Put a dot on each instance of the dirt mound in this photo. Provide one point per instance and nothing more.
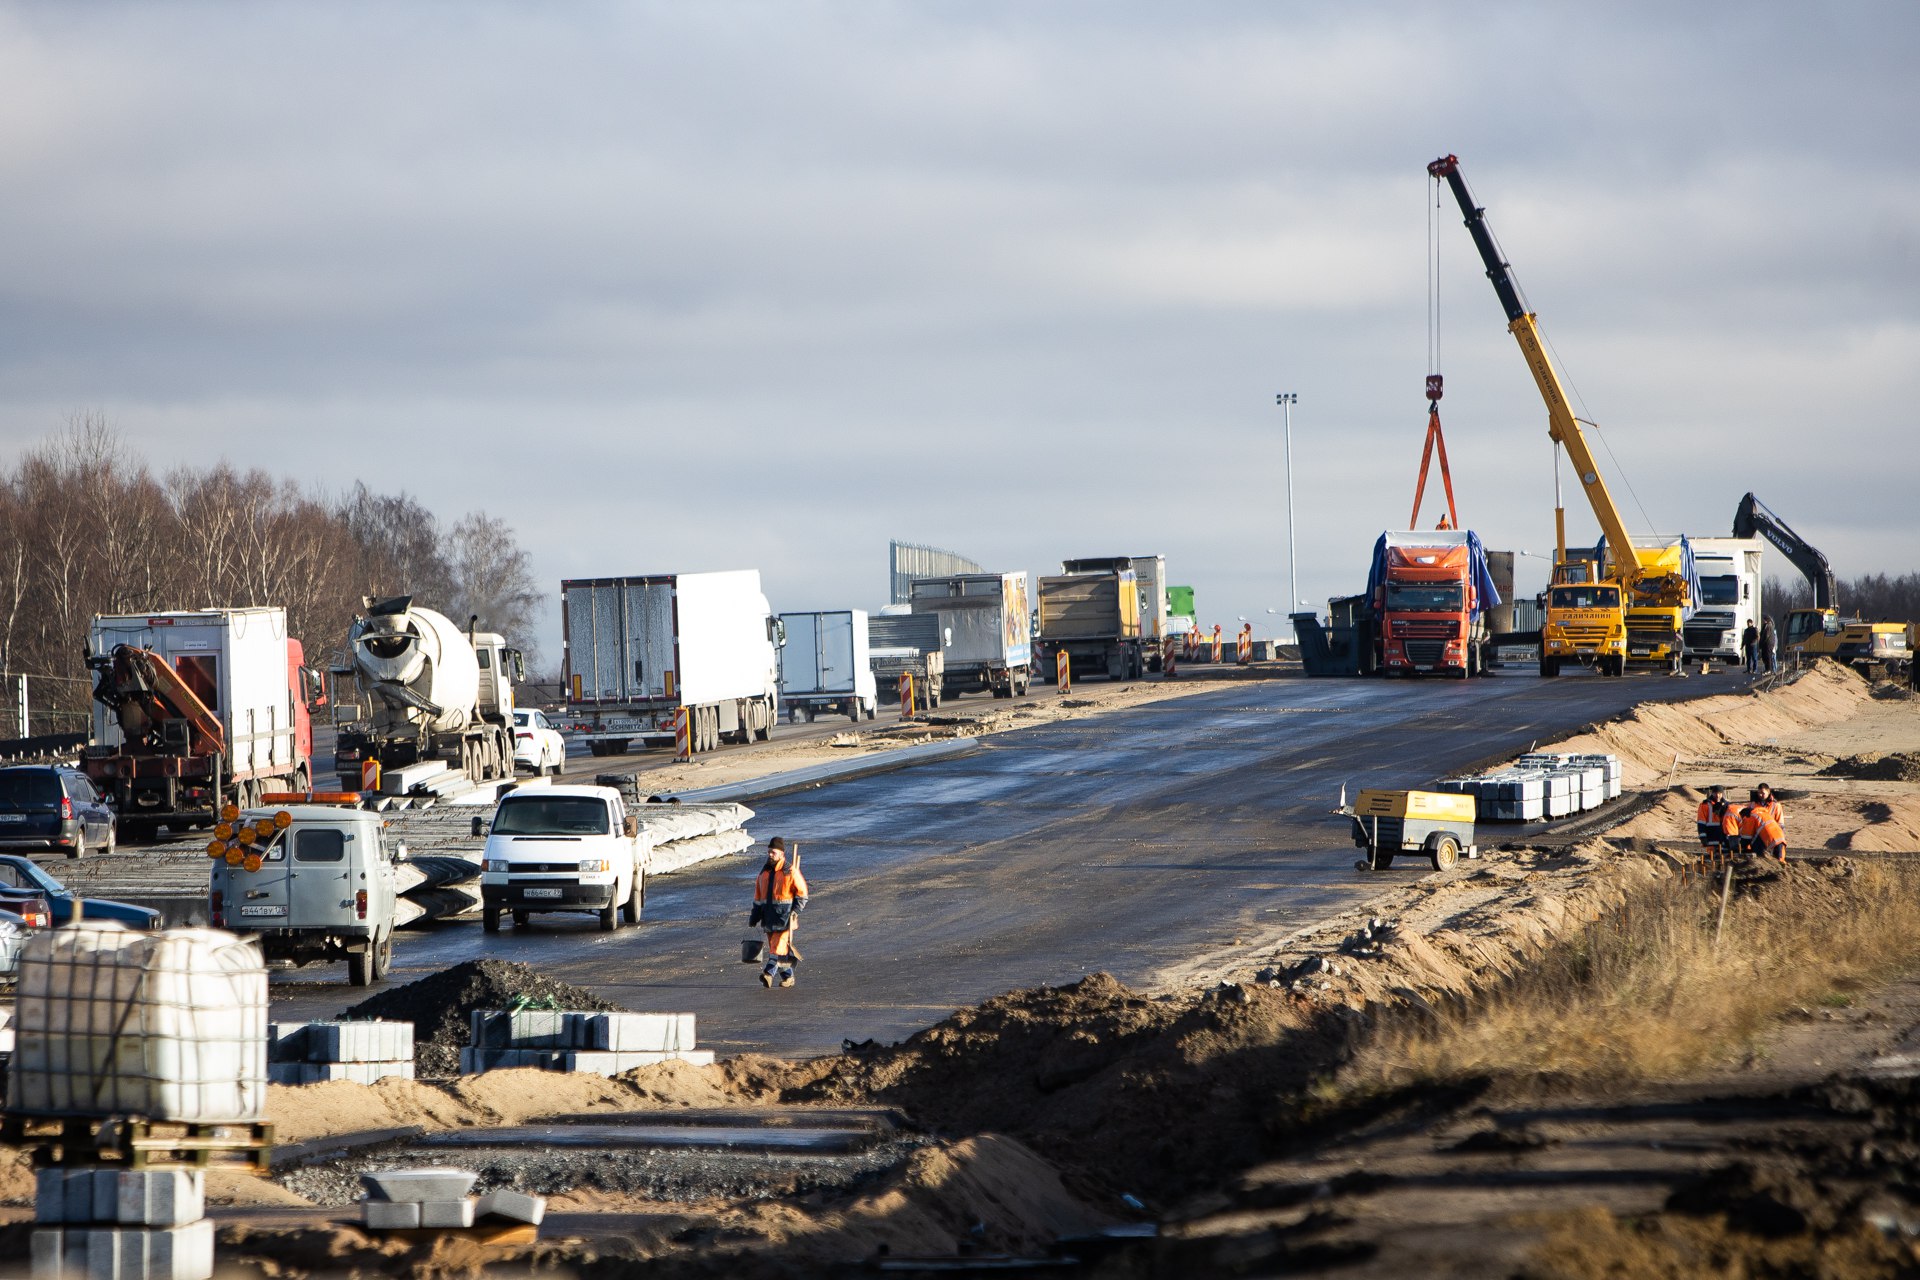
(1875, 766)
(1892, 826)
(438, 1005)
(300, 1112)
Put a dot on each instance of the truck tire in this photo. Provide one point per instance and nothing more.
(853, 710)
(636, 900)
(360, 966)
(609, 918)
(1549, 667)
(490, 919)
(1444, 850)
(383, 957)
(522, 920)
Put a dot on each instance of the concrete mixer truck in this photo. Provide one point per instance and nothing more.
(429, 693)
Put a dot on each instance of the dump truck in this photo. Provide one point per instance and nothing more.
(1094, 618)
(430, 693)
(905, 644)
(639, 650)
(826, 665)
(985, 620)
(196, 709)
(1150, 587)
(1430, 591)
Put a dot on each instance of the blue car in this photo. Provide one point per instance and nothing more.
(22, 878)
(45, 806)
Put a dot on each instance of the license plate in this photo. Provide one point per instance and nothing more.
(539, 893)
(1586, 648)
(13, 817)
(263, 911)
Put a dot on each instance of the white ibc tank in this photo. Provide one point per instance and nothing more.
(166, 1026)
(417, 662)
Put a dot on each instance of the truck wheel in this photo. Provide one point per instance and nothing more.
(490, 919)
(872, 709)
(383, 957)
(360, 967)
(609, 918)
(1549, 667)
(766, 721)
(853, 710)
(1444, 850)
(637, 900)
(522, 920)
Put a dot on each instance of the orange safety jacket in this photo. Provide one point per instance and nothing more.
(1729, 825)
(1750, 820)
(1771, 809)
(1772, 835)
(1710, 819)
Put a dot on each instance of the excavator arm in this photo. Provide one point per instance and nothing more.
(1752, 517)
(1562, 426)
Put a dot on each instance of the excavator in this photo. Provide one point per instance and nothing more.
(1820, 632)
(1621, 602)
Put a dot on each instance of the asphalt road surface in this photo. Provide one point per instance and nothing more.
(1126, 842)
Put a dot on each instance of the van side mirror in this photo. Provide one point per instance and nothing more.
(479, 827)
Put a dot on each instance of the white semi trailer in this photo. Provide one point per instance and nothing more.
(640, 649)
(429, 691)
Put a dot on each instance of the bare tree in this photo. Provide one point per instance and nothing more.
(493, 579)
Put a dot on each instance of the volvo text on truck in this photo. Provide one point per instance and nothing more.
(826, 665)
(1430, 591)
(988, 629)
(639, 649)
(429, 691)
(196, 709)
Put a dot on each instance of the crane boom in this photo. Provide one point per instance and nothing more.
(1562, 426)
(1752, 517)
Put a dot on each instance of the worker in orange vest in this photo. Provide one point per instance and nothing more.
(779, 892)
(1752, 815)
(1771, 841)
(1770, 803)
(1709, 821)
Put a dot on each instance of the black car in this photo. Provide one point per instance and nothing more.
(47, 807)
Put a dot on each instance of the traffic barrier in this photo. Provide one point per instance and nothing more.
(1246, 645)
(1216, 642)
(682, 734)
(369, 776)
(1063, 671)
(1190, 645)
(1169, 658)
(906, 695)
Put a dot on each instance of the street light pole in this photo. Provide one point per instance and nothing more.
(1286, 400)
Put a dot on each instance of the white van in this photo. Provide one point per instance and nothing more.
(562, 849)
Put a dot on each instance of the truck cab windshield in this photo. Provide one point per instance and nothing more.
(1587, 597)
(552, 816)
(1424, 597)
(1720, 590)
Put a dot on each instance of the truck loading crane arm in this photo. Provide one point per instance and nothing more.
(1561, 424)
(1752, 517)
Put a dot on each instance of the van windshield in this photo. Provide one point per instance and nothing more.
(551, 816)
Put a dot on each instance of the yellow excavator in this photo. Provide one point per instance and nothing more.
(1820, 632)
(1621, 602)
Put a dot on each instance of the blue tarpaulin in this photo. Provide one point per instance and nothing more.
(1486, 595)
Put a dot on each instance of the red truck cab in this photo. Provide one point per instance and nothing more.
(1430, 599)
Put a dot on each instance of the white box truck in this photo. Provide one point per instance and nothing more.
(639, 649)
(987, 622)
(826, 665)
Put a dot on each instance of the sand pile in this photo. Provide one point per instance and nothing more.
(438, 1006)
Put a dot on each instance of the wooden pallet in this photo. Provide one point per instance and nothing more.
(137, 1143)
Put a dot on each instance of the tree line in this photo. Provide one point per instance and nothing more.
(87, 526)
(1873, 596)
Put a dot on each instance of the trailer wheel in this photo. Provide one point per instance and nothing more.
(490, 919)
(1380, 859)
(1444, 850)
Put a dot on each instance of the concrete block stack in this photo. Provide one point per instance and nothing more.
(312, 1052)
(428, 1199)
(121, 1224)
(1542, 784)
(601, 1043)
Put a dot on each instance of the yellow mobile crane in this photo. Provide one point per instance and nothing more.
(1601, 610)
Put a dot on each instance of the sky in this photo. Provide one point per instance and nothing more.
(675, 287)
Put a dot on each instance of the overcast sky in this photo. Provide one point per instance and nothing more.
(713, 285)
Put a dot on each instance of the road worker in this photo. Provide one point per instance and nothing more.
(1770, 804)
(1771, 842)
(779, 892)
(1710, 819)
(1752, 815)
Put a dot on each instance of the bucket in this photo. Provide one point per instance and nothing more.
(751, 950)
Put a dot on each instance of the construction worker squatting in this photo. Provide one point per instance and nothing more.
(779, 893)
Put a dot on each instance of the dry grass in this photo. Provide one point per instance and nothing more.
(1645, 994)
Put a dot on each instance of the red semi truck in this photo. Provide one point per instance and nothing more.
(1430, 591)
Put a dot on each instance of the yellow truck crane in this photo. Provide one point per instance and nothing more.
(1602, 610)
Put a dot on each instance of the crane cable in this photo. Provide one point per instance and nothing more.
(1435, 437)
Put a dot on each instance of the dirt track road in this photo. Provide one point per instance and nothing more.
(1124, 843)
